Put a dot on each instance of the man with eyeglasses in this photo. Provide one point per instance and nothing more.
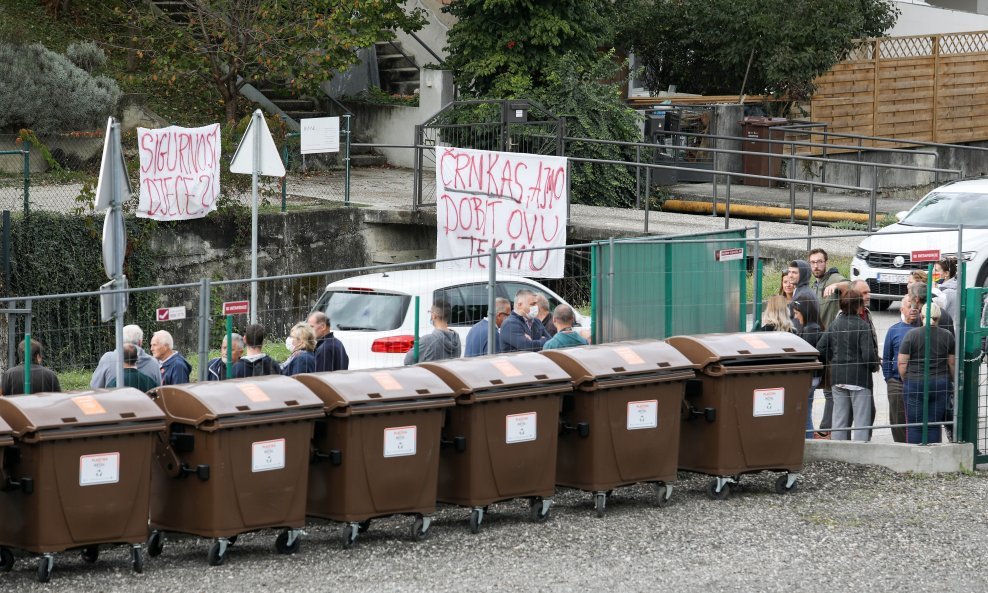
(827, 285)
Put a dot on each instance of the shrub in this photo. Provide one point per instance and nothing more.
(45, 92)
(86, 55)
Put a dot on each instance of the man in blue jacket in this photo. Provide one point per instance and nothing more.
(476, 343)
(330, 353)
(174, 368)
(522, 331)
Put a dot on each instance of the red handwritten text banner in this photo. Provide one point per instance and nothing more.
(180, 172)
(501, 200)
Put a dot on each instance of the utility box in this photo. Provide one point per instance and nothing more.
(758, 156)
(502, 434)
(234, 459)
(746, 407)
(376, 447)
(78, 475)
(620, 425)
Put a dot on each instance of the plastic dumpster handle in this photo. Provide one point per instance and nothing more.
(580, 428)
(25, 485)
(335, 456)
(458, 443)
(201, 471)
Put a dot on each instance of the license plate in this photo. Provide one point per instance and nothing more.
(894, 278)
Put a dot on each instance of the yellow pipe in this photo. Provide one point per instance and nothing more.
(747, 210)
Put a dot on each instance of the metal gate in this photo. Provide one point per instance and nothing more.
(972, 417)
(502, 125)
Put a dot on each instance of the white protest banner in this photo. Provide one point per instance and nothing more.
(320, 134)
(180, 172)
(501, 200)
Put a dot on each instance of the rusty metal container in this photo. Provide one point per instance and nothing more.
(501, 436)
(620, 425)
(233, 460)
(747, 406)
(376, 449)
(78, 475)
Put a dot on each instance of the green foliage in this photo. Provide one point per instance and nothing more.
(377, 96)
(58, 253)
(849, 225)
(498, 45)
(45, 92)
(704, 46)
(86, 55)
(296, 43)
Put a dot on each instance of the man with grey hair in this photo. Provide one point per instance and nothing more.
(566, 337)
(545, 313)
(174, 368)
(522, 331)
(476, 341)
(107, 367)
(217, 366)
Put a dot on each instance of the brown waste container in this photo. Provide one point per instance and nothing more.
(756, 130)
(620, 426)
(747, 406)
(79, 475)
(234, 460)
(502, 434)
(376, 451)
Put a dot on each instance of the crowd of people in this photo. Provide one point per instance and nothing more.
(831, 313)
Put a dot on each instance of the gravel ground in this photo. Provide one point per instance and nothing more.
(852, 527)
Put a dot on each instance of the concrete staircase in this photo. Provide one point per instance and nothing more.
(398, 71)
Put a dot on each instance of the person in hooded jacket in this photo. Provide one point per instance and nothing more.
(799, 273)
(443, 342)
(947, 271)
(255, 362)
(807, 317)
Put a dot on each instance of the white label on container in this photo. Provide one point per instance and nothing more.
(400, 441)
(769, 402)
(520, 427)
(103, 468)
(644, 414)
(267, 455)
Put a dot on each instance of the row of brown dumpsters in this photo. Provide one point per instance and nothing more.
(218, 459)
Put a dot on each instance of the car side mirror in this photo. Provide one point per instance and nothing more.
(900, 215)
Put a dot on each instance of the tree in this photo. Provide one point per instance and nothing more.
(496, 42)
(779, 46)
(227, 43)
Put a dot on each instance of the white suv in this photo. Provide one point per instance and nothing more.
(373, 315)
(883, 259)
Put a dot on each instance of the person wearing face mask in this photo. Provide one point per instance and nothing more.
(890, 367)
(443, 342)
(301, 342)
(522, 331)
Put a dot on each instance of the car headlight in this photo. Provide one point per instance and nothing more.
(862, 253)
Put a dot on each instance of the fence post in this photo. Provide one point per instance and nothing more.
(873, 205)
(713, 211)
(757, 297)
(27, 177)
(229, 347)
(417, 171)
(857, 180)
(809, 220)
(284, 180)
(609, 334)
(792, 183)
(569, 185)
(638, 177)
(648, 195)
(960, 326)
(561, 137)
(27, 347)
(415, 343)
(967, 401)
(926, 355)
(6, 253)
(346, 161)
(743, 321)
(491, 297)
(727, 204)
(204, 320)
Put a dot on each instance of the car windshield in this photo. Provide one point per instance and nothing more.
(363, 310)
(950, 209)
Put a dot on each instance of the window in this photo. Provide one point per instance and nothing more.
(363, 310)
(468, 303)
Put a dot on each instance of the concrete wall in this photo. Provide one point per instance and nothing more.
(433, 34)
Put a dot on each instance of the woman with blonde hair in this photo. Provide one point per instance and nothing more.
(301, 343)
(776, 315)
(787, 287)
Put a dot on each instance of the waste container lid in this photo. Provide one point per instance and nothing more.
(6, 434)
(764, 121)
(498, 374)
(376, 387)
(705, 349)
(617, 359)
(49, 416)
(235, 401)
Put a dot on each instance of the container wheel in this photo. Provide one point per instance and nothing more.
(536, 510)
(350, 535)
(663, 493)
(6, 560)
(216, 557)
(281, 543)
(725, 491)
(476, 518)
(90, 554)
(780, 485)
(231, 540)
(46, 564)
(137, 559)
(419, 529)
(156, 543)
(600, 503)
(363, 526)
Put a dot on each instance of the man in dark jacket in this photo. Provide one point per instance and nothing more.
(255, 362)
(217, 366)
(174, 368)
(443, 342)
(43, 380)
(476, 342)
(545, 314)
(330, 353)
(522, 331)
(827, 283)
(133, 377)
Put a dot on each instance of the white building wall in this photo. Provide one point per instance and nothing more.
(919, 18)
